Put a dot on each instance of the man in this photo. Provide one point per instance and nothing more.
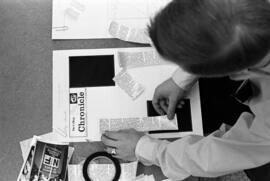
(208, 38)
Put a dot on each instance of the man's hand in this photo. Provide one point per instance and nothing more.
(167, 97)
(124, 142)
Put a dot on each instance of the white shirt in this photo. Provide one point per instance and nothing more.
(246, 145)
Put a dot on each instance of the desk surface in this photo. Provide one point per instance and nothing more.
(26, 77)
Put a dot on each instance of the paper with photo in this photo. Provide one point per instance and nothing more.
(44, 159)
(77, 19)
(49, 162)
(48, 137)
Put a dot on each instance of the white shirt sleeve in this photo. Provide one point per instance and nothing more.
(217, 154)
(183, 79)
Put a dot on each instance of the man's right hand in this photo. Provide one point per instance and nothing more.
(167, 97)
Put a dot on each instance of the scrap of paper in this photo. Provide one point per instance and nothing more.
(72, 12)
(139, 59)
(28, 161)
(126, 33)
(140, 124)
(104, 171)
(124, 80)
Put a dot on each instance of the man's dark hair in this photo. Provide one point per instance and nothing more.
(212, 37)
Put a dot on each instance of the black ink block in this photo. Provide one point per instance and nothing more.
(183, 117)
(91, 71)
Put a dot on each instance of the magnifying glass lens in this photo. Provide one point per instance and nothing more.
(101, 169)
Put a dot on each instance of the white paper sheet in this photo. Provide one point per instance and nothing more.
(90, 19)
(111, 102)
(140, 124)
(128, 171)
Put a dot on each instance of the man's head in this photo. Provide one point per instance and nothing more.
(213, 37)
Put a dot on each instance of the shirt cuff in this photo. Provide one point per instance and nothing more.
(146, 148)
(183, 79)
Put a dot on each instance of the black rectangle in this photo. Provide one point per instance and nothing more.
(91, 71)
(183, 117)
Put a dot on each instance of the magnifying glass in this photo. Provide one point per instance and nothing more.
(101, 166)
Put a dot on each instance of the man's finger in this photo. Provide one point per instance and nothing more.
(171, 108)
(156, 105)
(109, 142)
(164, 106)
(114, 135)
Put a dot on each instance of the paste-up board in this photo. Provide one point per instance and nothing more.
(84, 93)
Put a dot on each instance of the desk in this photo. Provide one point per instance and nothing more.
(26, 75)
(26, 78)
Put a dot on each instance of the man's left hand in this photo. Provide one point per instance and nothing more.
(124, 142)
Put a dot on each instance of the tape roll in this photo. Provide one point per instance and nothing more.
(101, 154)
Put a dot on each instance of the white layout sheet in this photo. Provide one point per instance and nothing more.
(78, 110)
(104, 171)
(90, 19)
